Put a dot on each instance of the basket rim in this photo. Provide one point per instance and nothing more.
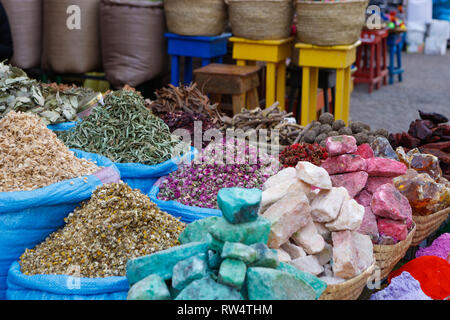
(392, 247)
(435, 214)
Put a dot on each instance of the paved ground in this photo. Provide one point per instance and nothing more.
(425, 86)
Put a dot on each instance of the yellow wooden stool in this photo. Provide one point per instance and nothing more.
(311, 58)
(274, 53)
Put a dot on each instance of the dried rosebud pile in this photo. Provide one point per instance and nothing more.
(115, 225)
(313, 153)
(32, 157)
(198, 183)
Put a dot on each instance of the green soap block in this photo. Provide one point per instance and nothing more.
(266, 257)
(188, 270)
(272, 284)
(149, 288)
(239, 205)
(197, 231)
(162, 262)
(239, 251)
(232, 273)
(316, 284)
(208, 289)
(214, 259)
(247, 232)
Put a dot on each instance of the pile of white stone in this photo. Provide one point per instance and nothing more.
(314, 224)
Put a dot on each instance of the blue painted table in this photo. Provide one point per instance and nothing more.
(206, 48)
(395, 44)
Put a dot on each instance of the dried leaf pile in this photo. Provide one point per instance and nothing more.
(32, 157)
(272, 118)
(100, 236)
(52, 104)
(123, 131)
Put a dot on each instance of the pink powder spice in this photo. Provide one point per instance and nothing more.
(439, 248)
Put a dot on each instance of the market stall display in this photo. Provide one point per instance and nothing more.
(42, 182)
(126, 132)
(100, 236)
(54, 105)
(223, 258)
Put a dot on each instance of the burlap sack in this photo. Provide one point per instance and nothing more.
(25, 20)
(132, 41)
(76, 50)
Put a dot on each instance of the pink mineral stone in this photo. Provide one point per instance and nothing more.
(344, 163)
(373, 183)
(388, 202)
(364, 198)
(345, 256)
(382, 167)
(369, 224)
(391, 228)
(365, 151)
(354, 182)
(338, 145)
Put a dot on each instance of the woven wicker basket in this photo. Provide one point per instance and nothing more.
(330, 23)
(387, 256)
(261, 19)
(196, 18)
(351, 289)
(426, 225)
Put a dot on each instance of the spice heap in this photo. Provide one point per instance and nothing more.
(430, 134)
(402, 287)
(53, 104)
(368, 179)
(180, 107)
(439, 248)
(123, 131)
(292, 154)
(32, 157)
(423, 184)
(257, 121)
(222, 258)
(314, 225)
(220, 165)
(319, 131)
(115, 225)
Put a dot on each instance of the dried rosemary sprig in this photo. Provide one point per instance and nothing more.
(123, 131)
(31, 156)
(115, 225)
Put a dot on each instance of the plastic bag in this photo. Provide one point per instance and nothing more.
(28, 217)
(185, 213)
(63, 287)
(142, 177)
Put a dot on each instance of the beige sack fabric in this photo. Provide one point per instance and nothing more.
(71, 51)
(196, 17)
(25, 19)
(132, 40)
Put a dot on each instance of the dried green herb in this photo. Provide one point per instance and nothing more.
(125, 131)
(20, 93)
(100, 236)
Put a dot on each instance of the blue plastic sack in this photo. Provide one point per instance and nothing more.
(28, 217)
(186, 213)
(63, 287)
(143, 177)
(65, 126)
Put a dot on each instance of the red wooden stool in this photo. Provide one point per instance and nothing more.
(371, 59)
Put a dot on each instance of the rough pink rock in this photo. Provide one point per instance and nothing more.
(382, 167)
(338, 145)
(344, 163)
(345, 256)
(391, 228)
(365, 151)
(373, 183)
(369, 224)
(388, 202)
(354, 182)
(364, 198)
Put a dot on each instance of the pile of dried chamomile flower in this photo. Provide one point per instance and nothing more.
(32, 157)
(115, 225)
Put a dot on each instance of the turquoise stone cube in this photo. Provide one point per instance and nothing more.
(232, 273)
(197, 231)
(247, 232)
(239, 251)
(188, 270)
(149, 288)
(239, 205)
(266, 257)
(208, 289)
